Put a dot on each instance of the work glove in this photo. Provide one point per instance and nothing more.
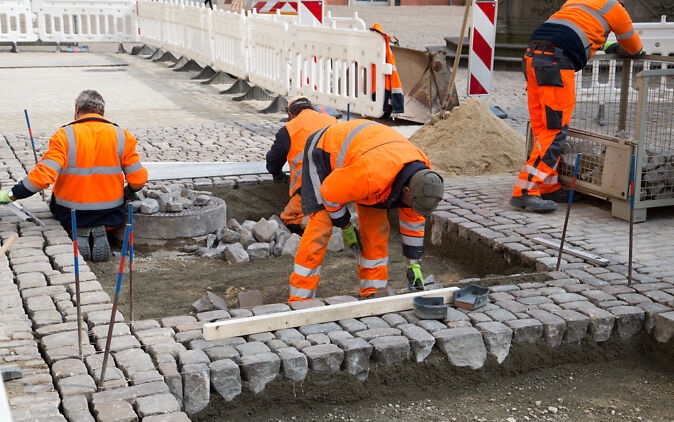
(612, 47)
(130, 195)
(414, 276)
(281, 177)
(4, 197)
(351, 238)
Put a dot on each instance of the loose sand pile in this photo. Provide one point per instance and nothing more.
(469, 141)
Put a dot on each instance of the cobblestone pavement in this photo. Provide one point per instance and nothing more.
(165, 370)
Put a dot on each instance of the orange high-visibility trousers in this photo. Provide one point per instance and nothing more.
(309, 257)
(373, 261)
(551, 93)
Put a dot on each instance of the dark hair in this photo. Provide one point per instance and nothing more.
(298, 105)
(90, 101)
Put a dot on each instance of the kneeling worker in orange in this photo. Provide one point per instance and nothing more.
(87, 161)
(378, 169)
(288, 146)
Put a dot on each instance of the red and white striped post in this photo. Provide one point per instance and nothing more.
(482, 40)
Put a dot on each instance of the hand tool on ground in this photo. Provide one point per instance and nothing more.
(131, 262)
(568, 210)
(633, 167)
(32, 143)
(23, 213)
(7, 243)
(118, 287)
(76, 254)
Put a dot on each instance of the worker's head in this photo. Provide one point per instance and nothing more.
(89, 101)
(424, 191)
(297, 104)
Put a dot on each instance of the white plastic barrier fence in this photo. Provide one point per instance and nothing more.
(16, 21)
(151, 16)
(229, 45)
(353, 22)
(78, 21)
(268, 52)
(198, 41)
(336, 67)
(172, 30)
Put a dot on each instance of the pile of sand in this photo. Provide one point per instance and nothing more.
(469, 141)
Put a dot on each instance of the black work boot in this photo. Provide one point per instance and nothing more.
(100, 250)
(560, 195)
(83, 242)
(533, 203)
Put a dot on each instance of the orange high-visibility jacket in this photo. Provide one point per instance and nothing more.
(299, 129)
(592, 20)
(356, 161)
(88, 161)
(394, 99)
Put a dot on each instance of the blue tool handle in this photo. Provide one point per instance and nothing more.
(633, 167)
(575, 175)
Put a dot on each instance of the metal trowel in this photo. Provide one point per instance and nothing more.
(23, 213)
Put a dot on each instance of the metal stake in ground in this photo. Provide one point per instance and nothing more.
(457, 57)
(73, 224)
(118, 287)
(629, 259)
(568, 210)
(131, 262)
(32, 143)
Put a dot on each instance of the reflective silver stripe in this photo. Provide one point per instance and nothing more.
(303, 293)
(597, 14)
(372, 263)
(51, 164)
(412, 240)
(294, 164)
(607, 7)
(377, 284)
(315, 180)
(72, 147)
(90, 205)
(132, 168)
(535, 172)
(121, 141)
(397, 91)
(625, 36)
(88, 171)
(414, 227)
(347, 142)
(525, 184)
(337, 214)
(303, 271)
(29, 185)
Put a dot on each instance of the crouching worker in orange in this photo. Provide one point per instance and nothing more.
(87, 161)
(288, 146)
(558, 48)
(378, 169)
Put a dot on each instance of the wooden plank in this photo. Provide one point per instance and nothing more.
(291, 319)
(596, 259)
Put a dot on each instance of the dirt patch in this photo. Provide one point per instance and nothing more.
(167, 282)
(470, 140)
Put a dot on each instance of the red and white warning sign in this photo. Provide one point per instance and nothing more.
(310, 12)
(482, 40)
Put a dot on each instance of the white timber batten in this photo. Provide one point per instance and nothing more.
(291, 319)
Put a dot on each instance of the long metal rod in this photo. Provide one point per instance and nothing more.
(568, 210)
(131, 262)
(631, 242)
(118, 287)
(457, 57)
(76, 254)
(32, 143)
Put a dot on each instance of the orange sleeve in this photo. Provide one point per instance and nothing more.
(44, 174)
(621, 25)
(134, 171)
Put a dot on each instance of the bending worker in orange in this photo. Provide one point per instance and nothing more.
(378, 169)
(87, 161)
(558, 48)
(288, 146)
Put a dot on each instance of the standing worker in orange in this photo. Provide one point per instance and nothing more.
(558, 48)
(377, 168)
(87, 161)
(288, 146)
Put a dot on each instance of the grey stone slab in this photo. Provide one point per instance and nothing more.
(133, 360)
(477, 317)
(633, 298)
(171, 348)
(174, 321)
(373, 333)
(390, 350)
(500, 315)
(159, 404)
(252, 348)
(319, 328)
(226, 378)
(257, 370)
(525, 331)
(261, 337)
(373, 322)
(294, 364)
(118, 343)
(67, 368)
(76, 385)
(188, 357)
(324, 358)
(394, 320)
(497, 339)
(629, 320)
(420, 340)
(463, 346)
(114, 411)
(431, 325)
(357, 354)
(145, 377)
(651, 310)
(534, 300)
(352, 325)
(271, 308)
(553, 326)
(119, 329)
(170, 417)
(660, 297)
(601, 322)
(576, 325)
(319, 338)
(196, 387)
(172, 378)
(663, 332)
